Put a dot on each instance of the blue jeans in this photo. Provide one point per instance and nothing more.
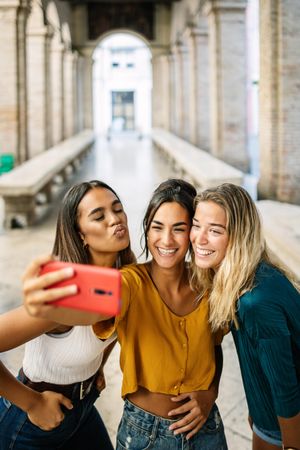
(272, 437)
(140, 430)
(81, 429)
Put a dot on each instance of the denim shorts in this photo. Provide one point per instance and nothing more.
(82, 428)
(272, 437)
(140, 430)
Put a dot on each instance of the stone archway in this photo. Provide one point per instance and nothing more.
(130, 76)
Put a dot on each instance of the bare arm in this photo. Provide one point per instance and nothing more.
(17, 327)
(37, 299)
(43, 409)
(290, 430)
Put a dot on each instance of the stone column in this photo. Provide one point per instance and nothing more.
(57, 67)
(227, 55)
(13, 98)
(156, 91)
(38, 82)
(87, 88)
(279, 100)
(69, 93)
(172, 90)
(181, 67)
(76, 91)
(199, 86)
(80, 93)
(166, 91)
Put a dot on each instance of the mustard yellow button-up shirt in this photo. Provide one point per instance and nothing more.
(160, 351)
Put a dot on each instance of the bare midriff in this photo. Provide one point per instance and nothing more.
(154, 402)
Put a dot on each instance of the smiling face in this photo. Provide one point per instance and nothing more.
(209, 236)
(102, 223)
(168, 235)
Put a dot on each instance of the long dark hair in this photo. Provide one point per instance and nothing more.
(172, 190)
(68, 244)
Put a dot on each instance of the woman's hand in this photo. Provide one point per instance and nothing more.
(45, 412)
(100, 382)
(196, 409)
(36, 296)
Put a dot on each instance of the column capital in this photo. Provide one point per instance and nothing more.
(193, 32)
(212, 6)
(7, 4)
(178, 48)
(43, 31)
(86, 50)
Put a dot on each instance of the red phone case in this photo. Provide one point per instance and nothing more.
(99, 288)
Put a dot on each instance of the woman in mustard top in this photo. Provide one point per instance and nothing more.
(168, 352)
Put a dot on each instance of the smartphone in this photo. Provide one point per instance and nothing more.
(99, 288)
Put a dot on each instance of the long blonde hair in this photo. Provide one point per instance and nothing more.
(246, 249)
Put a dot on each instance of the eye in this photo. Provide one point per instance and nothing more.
(118, 211)
(216, 232)
(179, 229)
(98, 219)
(155, 227)
(195, 225)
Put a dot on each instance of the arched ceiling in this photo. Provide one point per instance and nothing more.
(106, 15)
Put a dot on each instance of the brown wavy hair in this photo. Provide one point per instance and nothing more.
(67, 243)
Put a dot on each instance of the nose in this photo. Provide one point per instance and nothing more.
(201, 237)
(167, 237)
(113, 218)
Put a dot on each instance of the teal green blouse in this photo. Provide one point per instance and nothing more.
(268, 347)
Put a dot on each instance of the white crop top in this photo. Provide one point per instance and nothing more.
(64, 358)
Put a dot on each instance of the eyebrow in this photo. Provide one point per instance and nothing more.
(174, 224)
(212, 224)
(101, 209)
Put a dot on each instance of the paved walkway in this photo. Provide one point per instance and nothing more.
(134, 170)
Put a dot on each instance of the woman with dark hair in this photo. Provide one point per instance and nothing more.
(91, 229)
(168, 352)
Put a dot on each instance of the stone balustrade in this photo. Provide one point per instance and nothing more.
(33, 181)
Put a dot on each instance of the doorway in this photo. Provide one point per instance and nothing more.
(122, 111)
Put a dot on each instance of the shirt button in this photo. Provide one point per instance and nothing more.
(184, 345)
(176, 387)
(181, 370)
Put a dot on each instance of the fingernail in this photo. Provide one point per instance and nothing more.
(69, 271)
(73, 288)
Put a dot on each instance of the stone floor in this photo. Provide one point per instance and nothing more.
(134, 170)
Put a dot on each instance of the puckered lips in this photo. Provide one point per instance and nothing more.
(120, 231)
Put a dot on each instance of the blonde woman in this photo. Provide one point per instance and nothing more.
(253, 294)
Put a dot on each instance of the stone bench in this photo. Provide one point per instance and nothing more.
(193, 164)
(281, 227)
(22, 186)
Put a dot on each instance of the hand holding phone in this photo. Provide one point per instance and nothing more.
(99, 288)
